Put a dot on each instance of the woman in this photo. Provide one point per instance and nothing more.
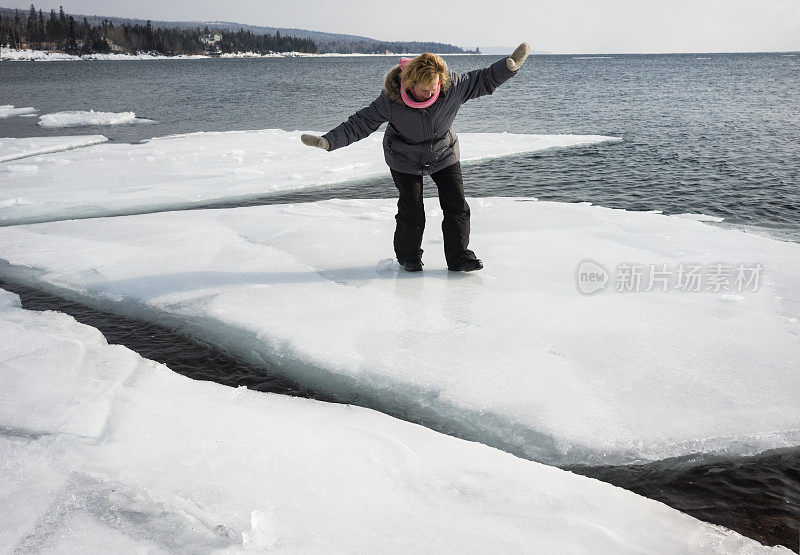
(420, 100)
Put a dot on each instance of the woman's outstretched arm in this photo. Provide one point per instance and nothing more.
(357, 126)
(484, 81)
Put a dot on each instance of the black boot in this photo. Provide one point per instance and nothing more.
(412, 265)
(469, 265)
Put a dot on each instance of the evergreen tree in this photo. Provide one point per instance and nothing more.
(72, 43)
(63, 32)
(62, 20)
(31, 27)
(40, 33)
(52, 28)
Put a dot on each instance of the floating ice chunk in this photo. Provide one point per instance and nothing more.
(206, 168)
(14, 149)
(8, 110)
(513, 356)
(263, 534)
(78, 119)
(194, 466)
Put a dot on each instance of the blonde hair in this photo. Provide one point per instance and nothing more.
(424, 69)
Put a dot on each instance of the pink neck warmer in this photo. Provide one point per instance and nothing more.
(407, 99)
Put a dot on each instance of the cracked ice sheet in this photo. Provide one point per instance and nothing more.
(181, 171)
(512, 356)
(82, 371)
(196, 467)
(14, 149)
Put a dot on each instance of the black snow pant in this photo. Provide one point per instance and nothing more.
(411, 215)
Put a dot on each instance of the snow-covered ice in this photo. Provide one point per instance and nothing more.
(181, 171)
(25, 55)
(8, 110)
(20, 55)
(513, 356)
(699, 217)
(16, 148)
(104, 452)
(78, 118)
(141, 56)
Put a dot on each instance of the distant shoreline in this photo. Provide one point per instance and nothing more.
(17, 55)
(14, 55)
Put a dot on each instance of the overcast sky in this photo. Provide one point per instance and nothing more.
(568, 26)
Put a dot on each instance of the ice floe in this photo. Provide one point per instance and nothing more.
(182, 171)
(699, 217)
(16, 148)
(522, 356)
(77, 118)
(103, 451)
(8, 110)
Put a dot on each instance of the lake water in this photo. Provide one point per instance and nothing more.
(702, 133)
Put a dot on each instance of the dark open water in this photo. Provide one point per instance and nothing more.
(710, 133)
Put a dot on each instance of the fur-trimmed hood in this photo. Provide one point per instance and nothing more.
(392, 85)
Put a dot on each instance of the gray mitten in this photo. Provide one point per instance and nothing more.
(515, 61)
(313, 140)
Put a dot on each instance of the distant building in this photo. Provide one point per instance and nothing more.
(211, 39)
(112, 46)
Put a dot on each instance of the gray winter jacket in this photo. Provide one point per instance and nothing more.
(420, 141)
